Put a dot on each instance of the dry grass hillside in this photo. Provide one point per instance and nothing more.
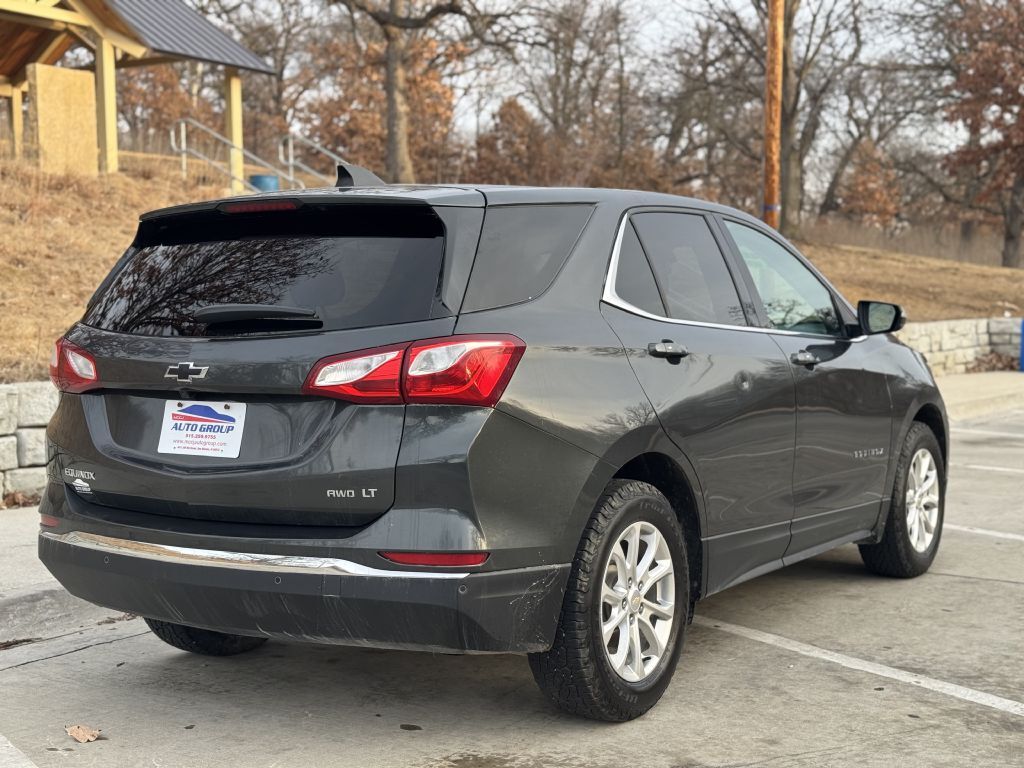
(59, 236)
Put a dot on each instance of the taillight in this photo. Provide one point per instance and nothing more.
(258, 206)
(471, 370)
(72, 369)
(458, 370)
(441, 559)
(370, 376)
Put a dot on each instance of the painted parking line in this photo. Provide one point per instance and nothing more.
(850, 662)
(989, 468)
(12, 757)
(983, 532)
(987, 433)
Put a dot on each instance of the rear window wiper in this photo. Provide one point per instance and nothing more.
(229, 313)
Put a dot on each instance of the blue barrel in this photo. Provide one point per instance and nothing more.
(265, 182)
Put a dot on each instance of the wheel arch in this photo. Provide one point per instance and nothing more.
(930, 415)
(665, 474)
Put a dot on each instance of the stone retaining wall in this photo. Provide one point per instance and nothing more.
(24, 410)
(950, 346)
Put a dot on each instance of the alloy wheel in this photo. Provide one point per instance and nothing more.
(922, 500)
(637, 601)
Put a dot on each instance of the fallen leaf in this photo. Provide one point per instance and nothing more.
(82, 733)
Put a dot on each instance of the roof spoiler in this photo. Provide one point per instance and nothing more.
(350, 175)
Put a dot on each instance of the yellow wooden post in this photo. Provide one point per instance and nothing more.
(17, 122)
(233, 127)
(106, 105)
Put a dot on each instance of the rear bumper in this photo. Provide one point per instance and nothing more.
(312, 599)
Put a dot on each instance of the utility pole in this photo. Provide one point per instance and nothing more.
(773, 113)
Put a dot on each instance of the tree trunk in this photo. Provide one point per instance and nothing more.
(1013, 224)
(792, 166)
(399, 162)
(830, 203)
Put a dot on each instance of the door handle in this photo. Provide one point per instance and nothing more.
(668, 349)
(803, 357)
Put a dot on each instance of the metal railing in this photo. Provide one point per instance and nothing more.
(286, 154)
(180, 145)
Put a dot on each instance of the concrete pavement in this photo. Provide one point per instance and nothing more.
(817, 664)
(974, 395)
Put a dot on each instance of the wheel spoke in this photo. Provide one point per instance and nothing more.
(618, 658)
(612, 594)
(633, 544)
(926, 522)
(660, 610)
(655, 646)
(654, 576)
(617, 618)
(634, 650)
(929, 481)
(652, 552)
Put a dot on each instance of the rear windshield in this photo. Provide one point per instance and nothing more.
(349, 267)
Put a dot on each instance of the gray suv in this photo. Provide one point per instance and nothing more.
(477, 419)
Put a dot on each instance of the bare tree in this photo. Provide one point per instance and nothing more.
(824, 41)
(397, 20)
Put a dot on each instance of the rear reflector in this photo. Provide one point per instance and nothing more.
(72, 369)
(457, 370)
(439, 559)
(48, 521)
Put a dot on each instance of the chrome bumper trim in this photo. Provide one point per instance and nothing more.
(249, 561)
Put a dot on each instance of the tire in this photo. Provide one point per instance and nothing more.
(896, 554)
(577, 674)
(203, 641)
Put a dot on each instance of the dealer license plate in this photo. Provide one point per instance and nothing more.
(202, 428)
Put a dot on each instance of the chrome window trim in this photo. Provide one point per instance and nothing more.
(248, 561)
(611, 297)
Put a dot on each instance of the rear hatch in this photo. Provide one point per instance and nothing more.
(205, 332)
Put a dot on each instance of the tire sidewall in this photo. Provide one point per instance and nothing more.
(651, 508)
(915, 441)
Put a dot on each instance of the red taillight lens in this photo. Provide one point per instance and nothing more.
(48, 521)
(463, 370)
(458, 370)
(369, 376)
(439, 559)
(72, 369)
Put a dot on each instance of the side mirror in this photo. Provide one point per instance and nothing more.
(880, 317)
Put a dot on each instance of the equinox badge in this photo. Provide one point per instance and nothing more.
(186, 372)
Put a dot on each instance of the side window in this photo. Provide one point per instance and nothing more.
(634, 280)
(794, 299)
(522, 247)
(690, 268)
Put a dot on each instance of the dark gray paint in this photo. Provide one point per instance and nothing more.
(764, 448)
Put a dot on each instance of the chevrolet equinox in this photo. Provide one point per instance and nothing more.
(477, 419)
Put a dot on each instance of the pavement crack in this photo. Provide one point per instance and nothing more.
(73, 650)
(976, 578)
(838, 748)
(20, 641)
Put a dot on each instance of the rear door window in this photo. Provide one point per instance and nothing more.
(522, 248)
(695, 281)
(354, 269)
